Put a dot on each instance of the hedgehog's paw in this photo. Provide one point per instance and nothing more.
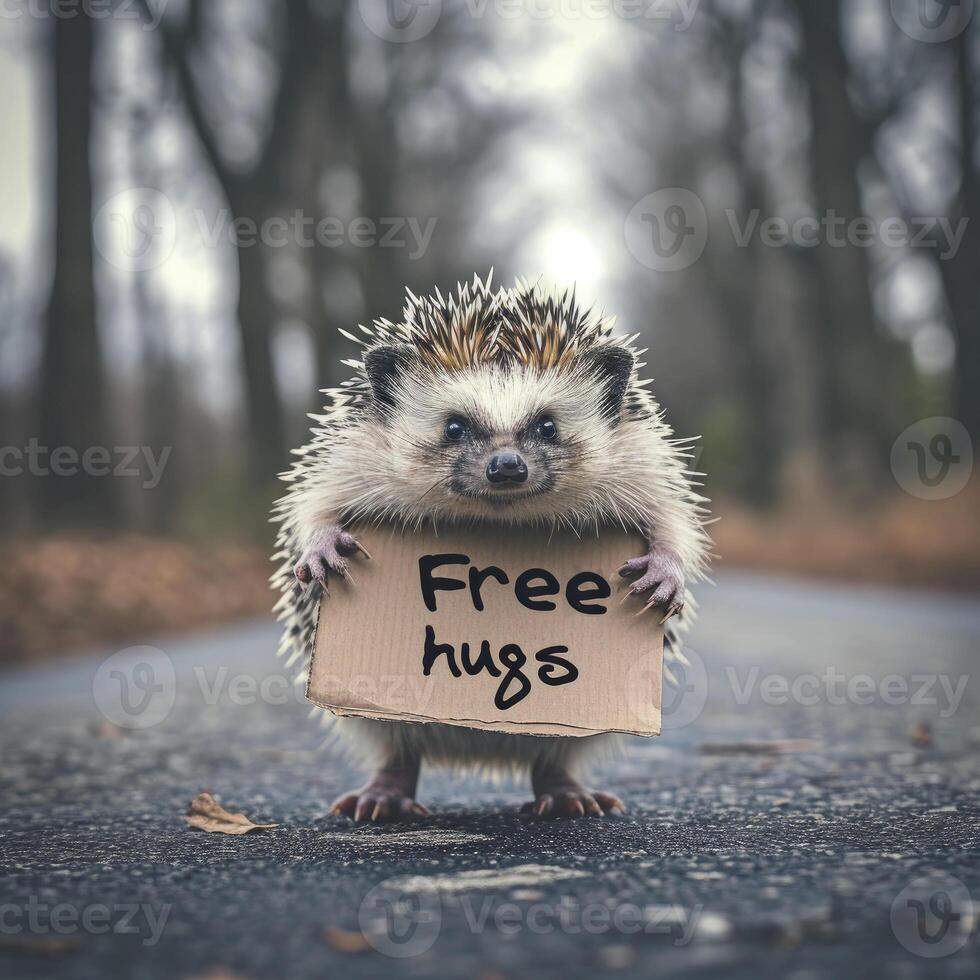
(565, 801)
(383, 800)
(559, 794)
(661, 571)
(327, 551)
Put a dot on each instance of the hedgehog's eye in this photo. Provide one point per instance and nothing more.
(456, 429)
(546, 428)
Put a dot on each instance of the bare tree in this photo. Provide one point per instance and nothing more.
(739, 286)
(960, 270)
(72, 383)
(891, 91)
(855, 362)
(252, 191)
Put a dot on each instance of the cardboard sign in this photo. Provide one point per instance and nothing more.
(507, 630)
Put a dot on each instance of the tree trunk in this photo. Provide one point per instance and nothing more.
(254, 195)
(740, 311)
(376, 148)
(852, 360)
(325, 124)
(72, 383)
(265, 434)
(960, 271)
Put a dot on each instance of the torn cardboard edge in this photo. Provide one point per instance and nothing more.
(542, 729)
(484, 595)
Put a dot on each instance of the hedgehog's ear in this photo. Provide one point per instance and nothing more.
(384, 366)
(613, 367)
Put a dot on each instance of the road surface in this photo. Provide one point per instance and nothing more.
(852, 851)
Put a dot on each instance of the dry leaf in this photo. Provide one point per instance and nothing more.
(207, 814)
(922, 735)
(780, 747)
(344, 941)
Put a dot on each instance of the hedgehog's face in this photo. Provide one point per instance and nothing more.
(497, 451)
(500, 441)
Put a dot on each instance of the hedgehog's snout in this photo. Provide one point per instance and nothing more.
(507, 467)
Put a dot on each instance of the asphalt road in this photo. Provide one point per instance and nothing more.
(854, 854)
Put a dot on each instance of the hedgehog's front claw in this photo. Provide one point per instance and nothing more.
(313, 567)
(327, 551)
(673, 608)
(661, 571)
(360, 547)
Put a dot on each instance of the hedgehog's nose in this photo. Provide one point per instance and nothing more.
(506, 467)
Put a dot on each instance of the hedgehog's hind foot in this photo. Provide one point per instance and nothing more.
(558, 794)
(389, 796)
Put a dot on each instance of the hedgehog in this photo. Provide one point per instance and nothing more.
(514, 406)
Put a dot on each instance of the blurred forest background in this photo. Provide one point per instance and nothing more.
(144, 142)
